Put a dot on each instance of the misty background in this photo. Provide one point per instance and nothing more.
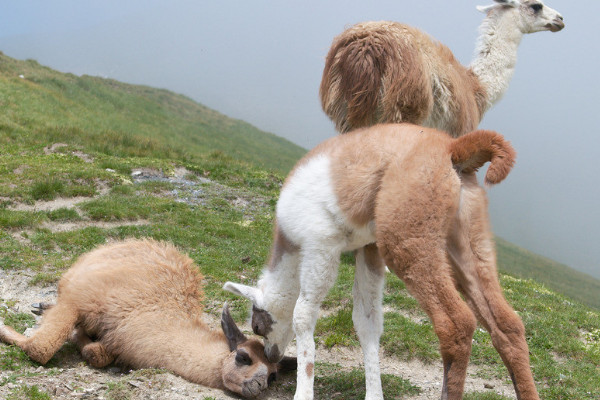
(261, 61)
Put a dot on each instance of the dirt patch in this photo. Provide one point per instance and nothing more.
(79, 154)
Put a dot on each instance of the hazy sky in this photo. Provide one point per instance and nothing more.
(261, 61)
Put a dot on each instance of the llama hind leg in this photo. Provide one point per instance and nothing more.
(428, 278)
(367, 313)
(57, 324)
(95, 353)
(318, 271)
(474, 259)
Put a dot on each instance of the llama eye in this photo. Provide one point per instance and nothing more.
(242, 358)
(536, 7)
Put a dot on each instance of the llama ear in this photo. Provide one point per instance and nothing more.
(287, 364)
(253, 294)
(485, 9)
(234, 336)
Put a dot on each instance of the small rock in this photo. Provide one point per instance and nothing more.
(488, 386)
(134, 384)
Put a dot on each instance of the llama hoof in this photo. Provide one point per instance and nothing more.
(39, 308)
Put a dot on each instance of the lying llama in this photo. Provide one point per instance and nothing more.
(137, 302)
(403, 196)
(381, 72)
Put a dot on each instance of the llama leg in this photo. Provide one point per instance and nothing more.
(367, 314)
(56, 326)
(94, 353)
(318, 270)
(472, 251)
(427, 276)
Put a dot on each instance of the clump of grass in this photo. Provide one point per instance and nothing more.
(334, 383)
(19, 321)
(407, 339)
(47, 189)
(25, 392)
(337, 329)
(118, 391)
(63, 214)
(10, 219)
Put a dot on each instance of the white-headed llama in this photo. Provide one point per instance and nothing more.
(138, 303)
(383, 72)
(403, 196)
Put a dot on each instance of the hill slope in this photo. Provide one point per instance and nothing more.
(519, 262)
(41, 104)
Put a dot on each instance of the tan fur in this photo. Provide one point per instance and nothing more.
(384, 71)
(432, 230)
(139, 302)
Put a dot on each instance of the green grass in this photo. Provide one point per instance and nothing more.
(519, 262)
(25, 392)
(339, 383)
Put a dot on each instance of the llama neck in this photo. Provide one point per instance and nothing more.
(496, 54)
(280, 286)
(197, 355)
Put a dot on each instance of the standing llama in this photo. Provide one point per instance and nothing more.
(137, 302)
(383, 72)
(403, 196)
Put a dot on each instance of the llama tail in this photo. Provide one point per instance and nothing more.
(471, 151)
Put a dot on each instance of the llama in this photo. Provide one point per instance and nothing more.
(403, 196)
(385, 72)
(137, 302)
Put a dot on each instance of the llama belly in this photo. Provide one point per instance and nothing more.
(307, 208)
(360, 236)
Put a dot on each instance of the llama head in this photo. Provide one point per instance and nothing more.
(270, 319)
(528, 15)
(246, 370)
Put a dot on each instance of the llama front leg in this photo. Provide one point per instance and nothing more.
(318, 271)
(57, 325)
(367, 313)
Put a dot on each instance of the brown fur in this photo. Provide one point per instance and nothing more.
(383, 72)
(432, 230)
(139, 302)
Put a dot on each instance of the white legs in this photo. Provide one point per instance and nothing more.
(367, 314)
(318, 272)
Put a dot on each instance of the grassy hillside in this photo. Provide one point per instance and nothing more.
(524, 264)
(40, 105)
(135, 164)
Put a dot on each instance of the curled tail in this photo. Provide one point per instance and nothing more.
(471, 151)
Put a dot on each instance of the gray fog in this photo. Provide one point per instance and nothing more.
(261, 61)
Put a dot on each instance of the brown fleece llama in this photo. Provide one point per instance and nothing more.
(382, 72)
(138, 302)
(403, 196)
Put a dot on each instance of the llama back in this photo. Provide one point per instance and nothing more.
(387, 72)
(111, 284)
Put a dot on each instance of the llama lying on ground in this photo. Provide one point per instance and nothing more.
(408, 197)
(138, 303)
(379, 72)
